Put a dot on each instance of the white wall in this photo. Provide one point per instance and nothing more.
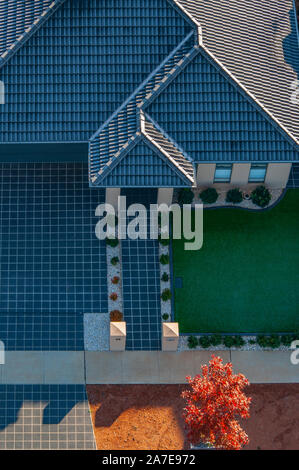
(205, 173)
(277, 175)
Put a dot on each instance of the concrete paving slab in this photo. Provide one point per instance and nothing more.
(141, 367)
(174, 367)
(145, 367)
(266, 366)
(63, 367)
(104, 367)
(23, 368)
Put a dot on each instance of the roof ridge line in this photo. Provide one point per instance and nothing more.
(10, 52)
(194, 20)
(130, 144)
(223, 67)
(166, 154)
(167, 136)
(251, 95)
(141, 86)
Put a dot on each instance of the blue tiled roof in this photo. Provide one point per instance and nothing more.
(82, 64)
(16, 16)
(120, 73)
(213, 120)
(145, 166)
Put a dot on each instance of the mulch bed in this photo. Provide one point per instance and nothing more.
(149, 417)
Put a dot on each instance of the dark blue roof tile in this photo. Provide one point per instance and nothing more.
(212, 120)
(80, 66)
(144, 166)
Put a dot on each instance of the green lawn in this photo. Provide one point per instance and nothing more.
(246, 276)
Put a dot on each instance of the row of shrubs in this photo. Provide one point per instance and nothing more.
(260, 196)
(271, 341)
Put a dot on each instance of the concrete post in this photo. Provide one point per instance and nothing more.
(118, 335)
(170, 336)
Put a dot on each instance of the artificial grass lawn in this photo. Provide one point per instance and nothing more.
(246, 276)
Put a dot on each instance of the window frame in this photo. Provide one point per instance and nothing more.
(253, 166)
(223, 165)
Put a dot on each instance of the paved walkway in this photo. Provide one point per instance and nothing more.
(139, 367)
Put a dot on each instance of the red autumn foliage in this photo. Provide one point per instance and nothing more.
(115, 280)
(113, 296)
(214, 402)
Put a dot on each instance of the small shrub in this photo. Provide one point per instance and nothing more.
(208, 196)
(116, 315)
(165, 316)
(185, 196)
(113, 242)
(165, 277)
(233, 341)
(113, 296)
(261, 341)
(166, 295)
(272, 341)
(205, 341)
(216, 340)
(235, 196)
(252, 341)
(228, 341)
(238, 341)
(114, 261)
(192, 342)
(115, 280)
(261, 196)
(164, 259)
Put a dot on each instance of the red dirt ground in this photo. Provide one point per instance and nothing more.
(148, 417)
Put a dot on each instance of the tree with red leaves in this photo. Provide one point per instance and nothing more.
(214, 402)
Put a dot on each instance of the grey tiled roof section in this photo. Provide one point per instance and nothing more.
(257, 42)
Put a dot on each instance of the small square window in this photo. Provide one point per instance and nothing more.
(223, 173)
(257, 173)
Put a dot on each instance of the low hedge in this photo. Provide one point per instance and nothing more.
(273, 341)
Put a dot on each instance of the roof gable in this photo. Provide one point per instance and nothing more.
(144, 166)
(257, 42)
(212, 120)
